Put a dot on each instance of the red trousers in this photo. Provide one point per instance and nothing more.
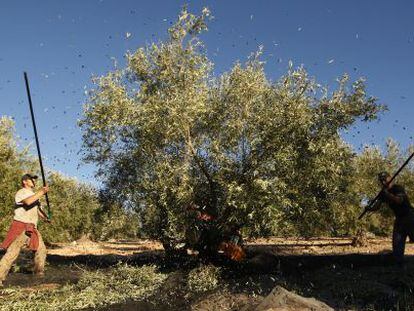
(16, 228)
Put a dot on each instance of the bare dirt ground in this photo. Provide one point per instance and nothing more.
(323, 246)
(276, 246)
(88, 247)
(329, 269)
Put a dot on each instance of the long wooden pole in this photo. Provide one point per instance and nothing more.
(37, 141)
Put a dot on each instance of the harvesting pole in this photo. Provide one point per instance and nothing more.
(39, 155)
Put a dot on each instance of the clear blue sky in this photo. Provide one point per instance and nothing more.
(61, 44)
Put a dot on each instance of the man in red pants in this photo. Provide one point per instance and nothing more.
(23, 229)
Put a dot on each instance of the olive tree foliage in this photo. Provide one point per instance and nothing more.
(12, 166)
(112, 221)
(266, 156)
(78, 210)
(73, 207)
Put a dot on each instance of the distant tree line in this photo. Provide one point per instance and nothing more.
(77, 208)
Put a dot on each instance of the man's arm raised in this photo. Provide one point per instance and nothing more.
(32, 199)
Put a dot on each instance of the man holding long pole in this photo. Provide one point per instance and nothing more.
(24, 228)
(26, 214)
(396, 198)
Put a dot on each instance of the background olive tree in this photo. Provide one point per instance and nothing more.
(265, 156)
(77, 208)
(12, 166)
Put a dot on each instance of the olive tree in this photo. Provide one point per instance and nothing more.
(263, 156)
(12, 165)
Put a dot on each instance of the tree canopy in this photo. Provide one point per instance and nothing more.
(267, 156)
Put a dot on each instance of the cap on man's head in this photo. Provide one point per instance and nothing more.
(29, 176)
(383, 176)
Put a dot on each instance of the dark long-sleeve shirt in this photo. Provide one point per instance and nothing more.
(401, 209)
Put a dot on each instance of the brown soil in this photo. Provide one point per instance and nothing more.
(88, 247)
(274, 245)
(323, 246)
